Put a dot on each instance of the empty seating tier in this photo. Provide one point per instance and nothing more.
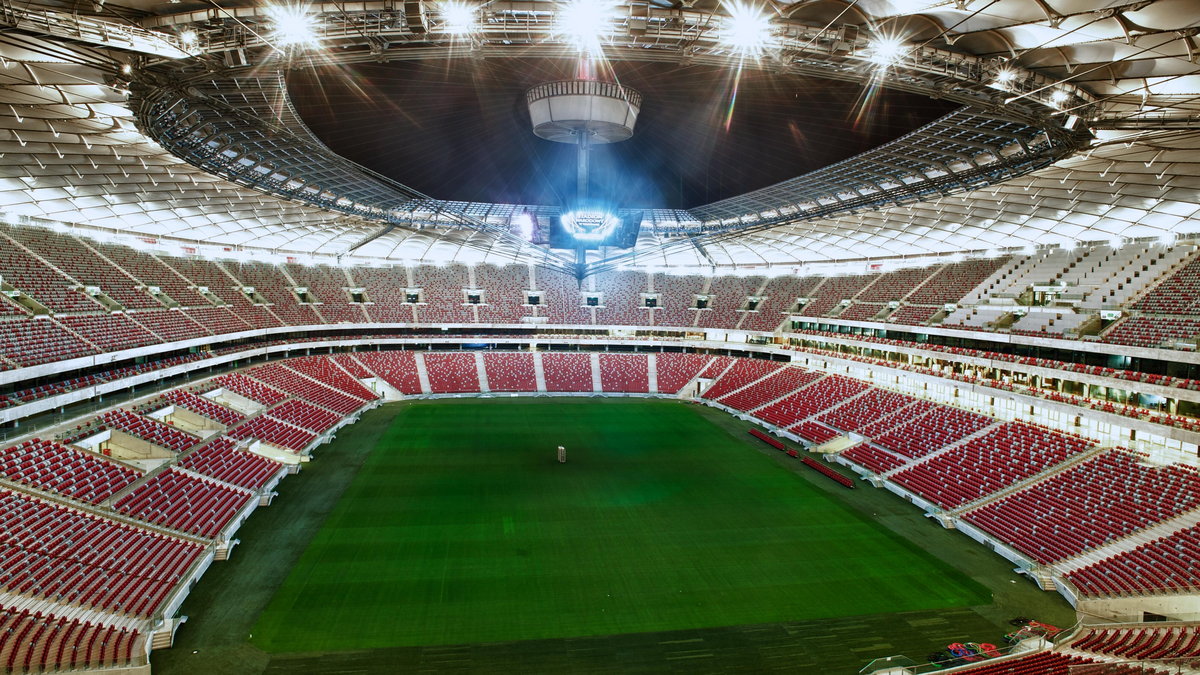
(1165, 565)
(567, 372)
(76, 558)
(510, 372)
(251, 389)
(827, 392)
(452, 373)
(1006, 455)
(274, 432)
(35, 642)
(305, 415)
(324, 370)
(222, 460)
(149, 430)
(743, 372)
(46, 465)
(936, 429)
(185, 503)
(281, 377)
(1088, 505)
(875, 460)
(676, 370)
(865, 409)
(777, 385)
(816, 433)
(203, 406)
(398, 369)
(624, 373)
(1138, 644)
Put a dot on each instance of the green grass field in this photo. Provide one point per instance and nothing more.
(461, 527)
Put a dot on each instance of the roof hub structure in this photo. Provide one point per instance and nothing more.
(583, 112)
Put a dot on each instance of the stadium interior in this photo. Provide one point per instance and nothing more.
(931, 261)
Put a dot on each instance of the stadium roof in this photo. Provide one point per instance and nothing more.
(1077, 123)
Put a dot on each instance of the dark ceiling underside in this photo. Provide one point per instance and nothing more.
(458, 129)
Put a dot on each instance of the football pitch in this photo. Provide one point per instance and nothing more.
(461, 527)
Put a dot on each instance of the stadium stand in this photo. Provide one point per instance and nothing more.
(743, 372)
(110, 332)
(674, 370)
(223, 286)
(866, 409)
(185, 503)
(203, 406)
(1144, 643)
(823, 394)
(286, 379)
(779, 297)
(896, 285)
(776, 385)
(1007, 454)
(328, 288)
(622, 294)
(30, 275)
(935, 429)
(1099, 500)
(827, 295)
(38, 341)
(169, 325)
(510, 372)
(398, 369)
(385, 290)
(567, 372)
(222, 460)
(624, 373)
(503, 293)
(326, 371)
(36, 641)
(443, 294)
(726, 296)
(251, 389)
(1164, 565)
(1050, 663)
(861, 311)
(274, 432)
(151, 431)
(562, 301)
(676, 297)
(82, 476)
(54, 552)
(305, 415)
(451, 373)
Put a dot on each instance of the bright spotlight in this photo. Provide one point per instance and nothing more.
(746, 30)
(1058, 97)
(188, 37)
(886, 51)
(585, 22)
(590, 225)
(292, 25)
(1004, 79)
(458, 18)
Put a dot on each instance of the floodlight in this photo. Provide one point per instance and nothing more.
(746, 30)
(584, 22)
(292, 25)
(590, 225)
(458, 18)
(188, 37)
(886, 51)
(1058, 97)
(1004, 78)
